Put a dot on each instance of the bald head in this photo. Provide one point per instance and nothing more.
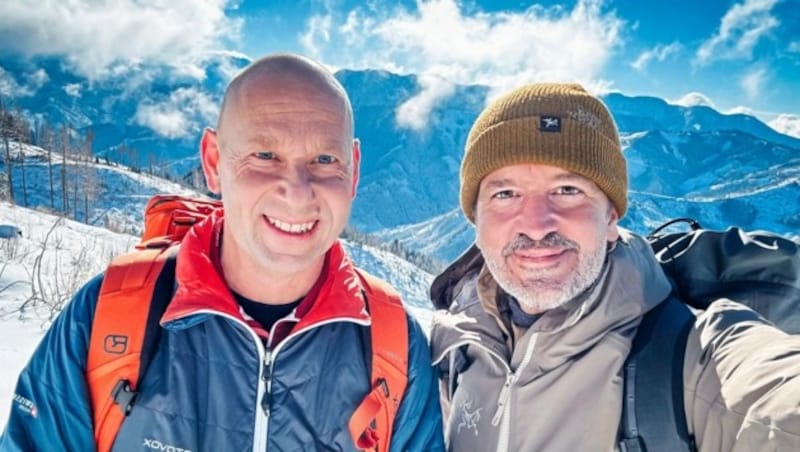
(280, 74)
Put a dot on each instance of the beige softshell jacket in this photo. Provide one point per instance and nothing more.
(560, 387)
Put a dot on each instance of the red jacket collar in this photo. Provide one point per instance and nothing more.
(201, 286)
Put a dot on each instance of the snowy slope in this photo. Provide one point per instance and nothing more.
(70, 255)
(121, 194)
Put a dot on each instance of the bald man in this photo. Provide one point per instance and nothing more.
(266, 338)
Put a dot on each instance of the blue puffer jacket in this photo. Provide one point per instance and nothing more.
(206, 388)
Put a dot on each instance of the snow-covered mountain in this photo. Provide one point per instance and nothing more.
(722, 169)
(640, 113)
(157, 110)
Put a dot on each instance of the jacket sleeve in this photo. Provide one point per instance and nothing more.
(418, 425)
(742, 382)
(50, 408)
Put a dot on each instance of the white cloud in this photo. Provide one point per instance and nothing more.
(94, 35)
(442, 42)
(182, 115)
(787, 125)
(73, 89)
(658, 53)
(318, 29)
(10, 87)
(740, 30)
(694, 99)
(37, 78)
(753, 81)
(414, 112)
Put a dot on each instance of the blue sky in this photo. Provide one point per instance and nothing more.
(736, 55)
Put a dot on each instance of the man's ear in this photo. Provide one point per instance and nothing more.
(613, 229)
(209, 157)
(356, 164)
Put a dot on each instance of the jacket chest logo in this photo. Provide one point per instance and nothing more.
(469, 419)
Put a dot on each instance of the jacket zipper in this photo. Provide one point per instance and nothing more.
(271, 355)
(503, 413)
(260, 428)
(266, 377)
(265, 372)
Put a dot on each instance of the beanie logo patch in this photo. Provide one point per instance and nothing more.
(550, 123)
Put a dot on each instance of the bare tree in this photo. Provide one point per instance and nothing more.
(134, 159)
(64, 148)
(89, 179)
(20, 131)
(77, 169)
(47, 141)
(5, 130)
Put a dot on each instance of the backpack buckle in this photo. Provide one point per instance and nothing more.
(124, 396)
(384, 386)
(632, 445)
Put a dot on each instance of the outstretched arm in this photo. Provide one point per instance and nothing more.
(742, 382)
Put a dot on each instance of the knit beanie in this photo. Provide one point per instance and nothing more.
(551, 124)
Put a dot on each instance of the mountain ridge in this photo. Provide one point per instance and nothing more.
(410, 176)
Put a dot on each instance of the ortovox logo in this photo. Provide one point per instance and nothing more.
(115, 344)
(26, 405)
(155, 444)
(550, 124)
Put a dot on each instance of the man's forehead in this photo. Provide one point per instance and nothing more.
(515, 173)
(275, 105)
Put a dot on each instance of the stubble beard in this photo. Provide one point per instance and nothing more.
(541, 292)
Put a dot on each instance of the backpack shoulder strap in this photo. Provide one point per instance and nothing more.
(135, 291)
(372, 421)
(653, 416)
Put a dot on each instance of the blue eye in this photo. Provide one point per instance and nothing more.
(326, 159)
(504, 194)
(568, 190)
(264, 155)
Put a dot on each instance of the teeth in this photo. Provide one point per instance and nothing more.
(291, 228)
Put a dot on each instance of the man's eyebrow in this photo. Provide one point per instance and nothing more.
(560, 178)
(570, 177)
(498, 183)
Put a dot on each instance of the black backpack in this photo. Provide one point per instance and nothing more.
(758, 269)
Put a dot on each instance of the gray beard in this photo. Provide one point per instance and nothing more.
(541, 293)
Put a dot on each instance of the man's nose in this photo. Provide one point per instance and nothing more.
(537, 218)
(297, 184)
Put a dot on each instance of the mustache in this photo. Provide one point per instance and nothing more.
(551, 240)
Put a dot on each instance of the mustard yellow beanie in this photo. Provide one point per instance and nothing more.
(547, 123)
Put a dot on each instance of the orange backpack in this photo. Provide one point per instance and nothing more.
(135, 292)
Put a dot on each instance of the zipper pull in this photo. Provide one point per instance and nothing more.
(502, 400)
(266, 377)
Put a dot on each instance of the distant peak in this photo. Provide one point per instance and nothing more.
(694, 99)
